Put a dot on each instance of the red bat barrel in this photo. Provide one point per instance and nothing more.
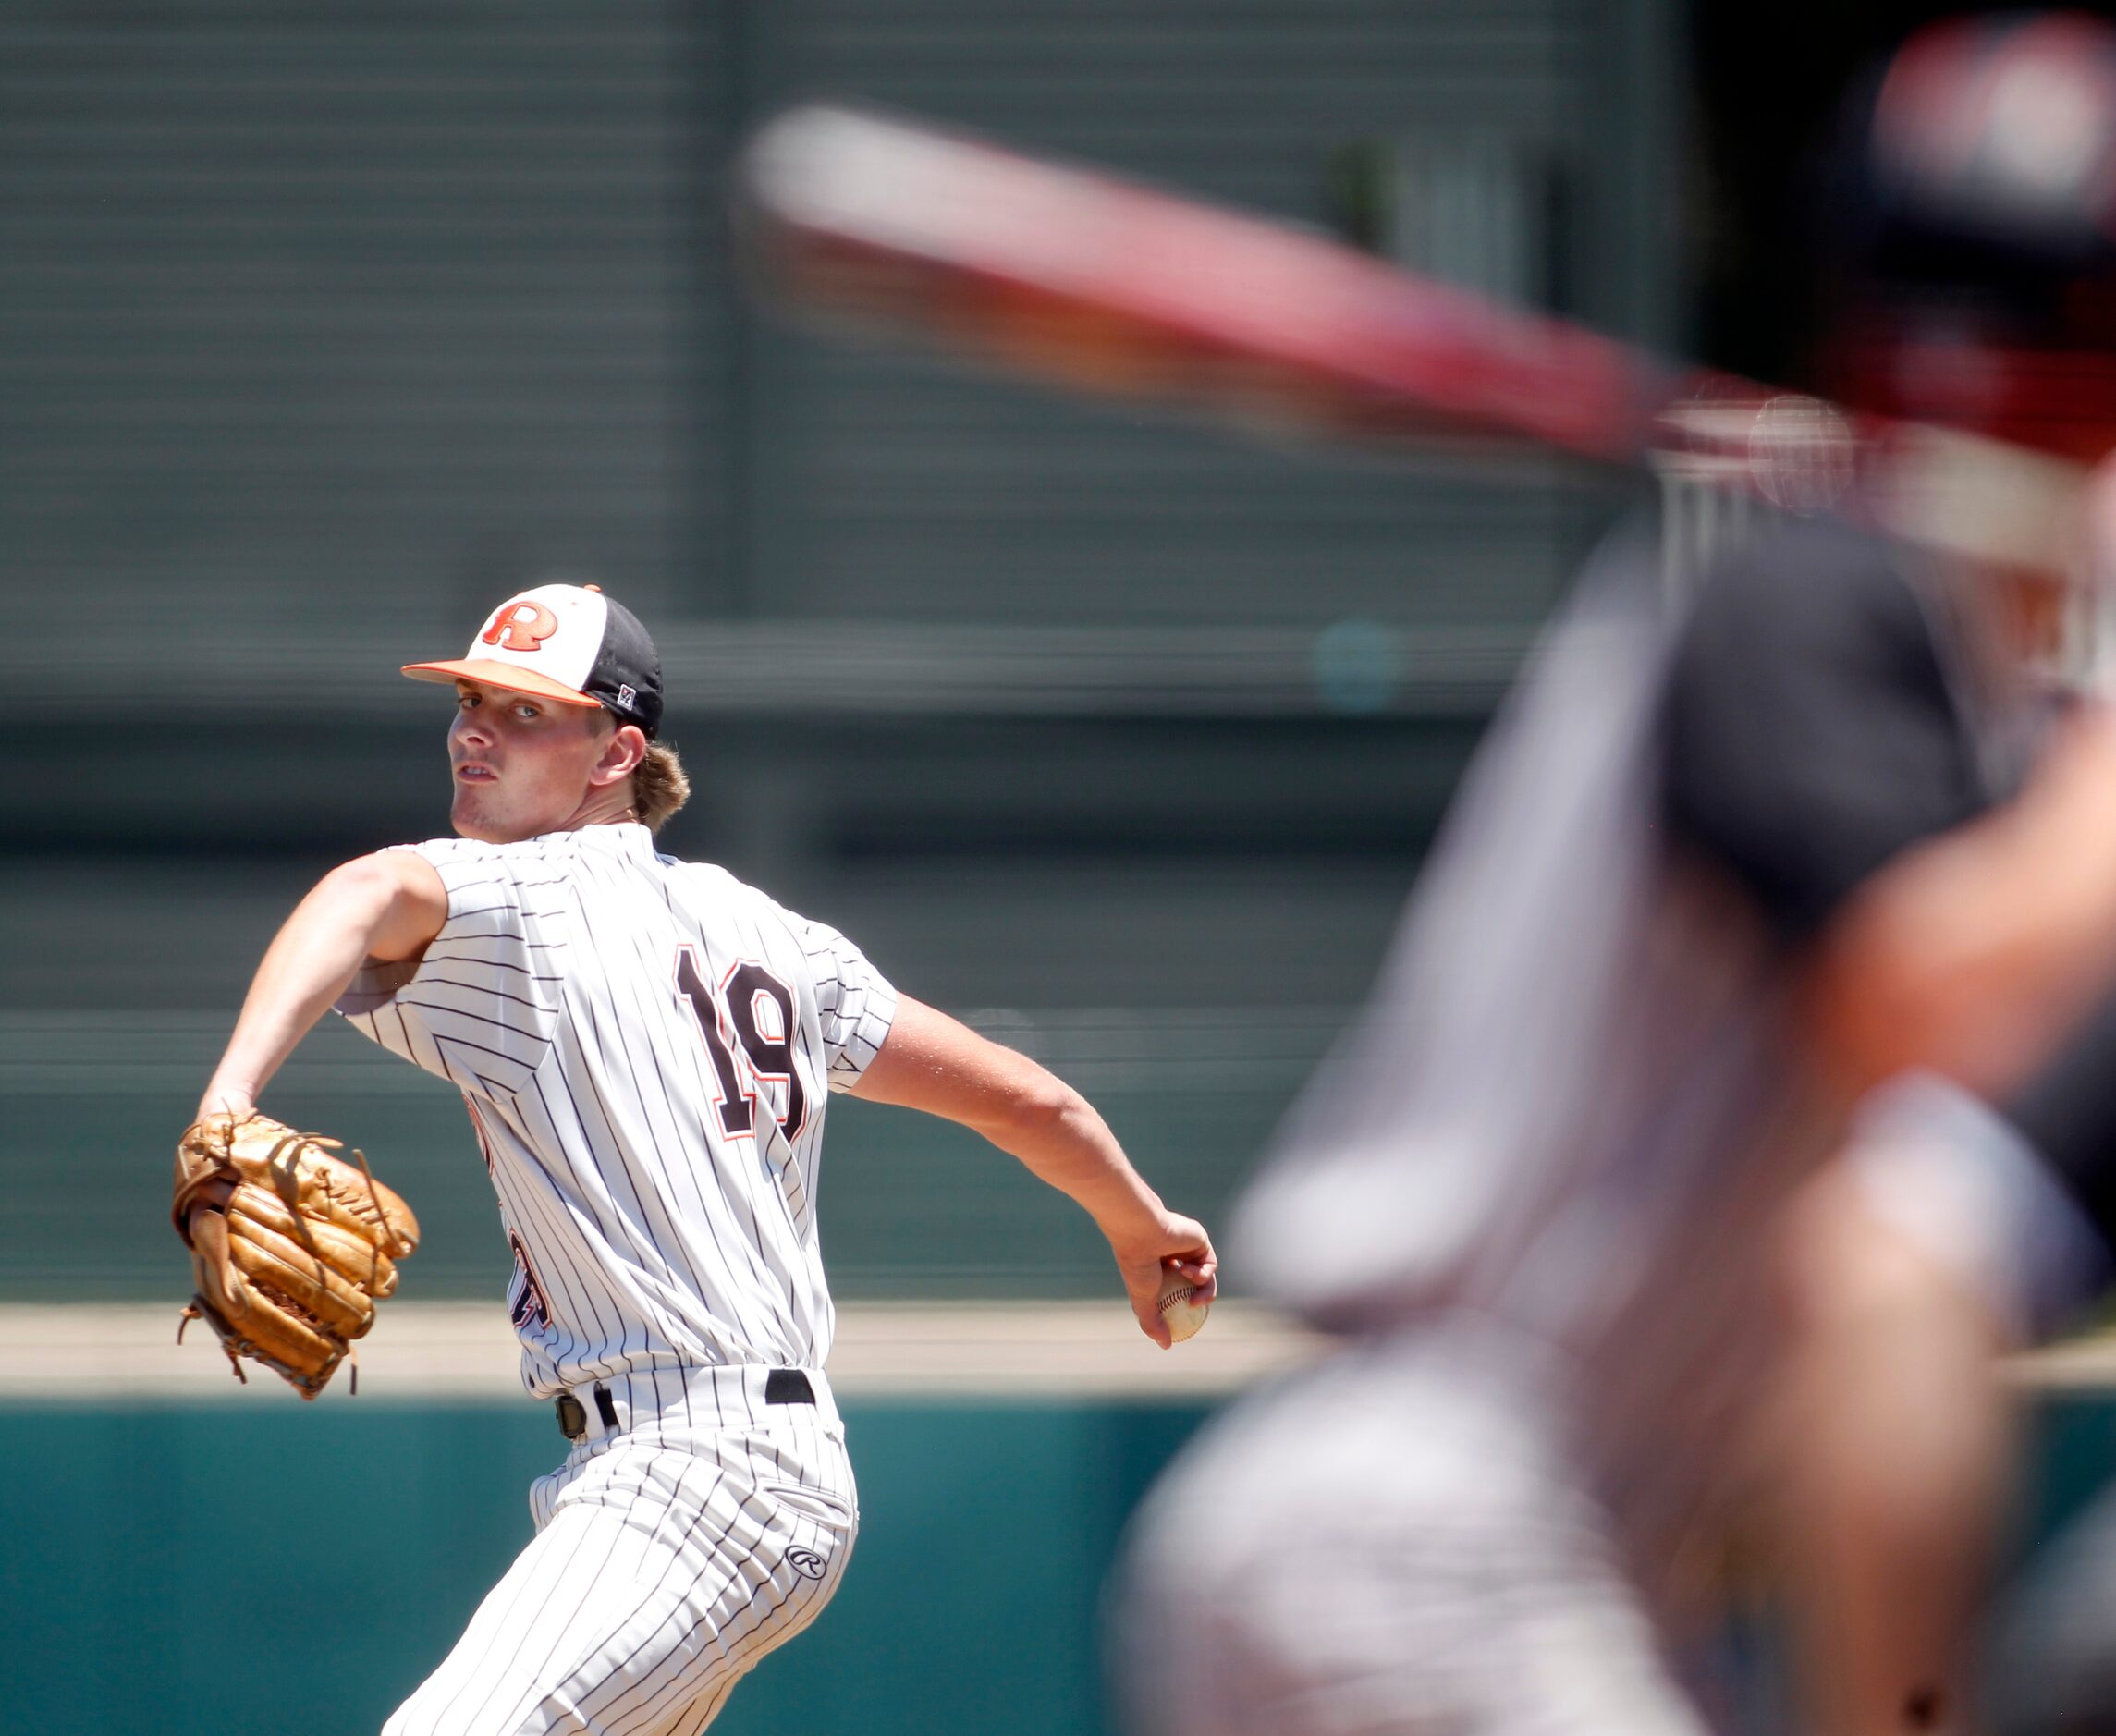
(1112, 287)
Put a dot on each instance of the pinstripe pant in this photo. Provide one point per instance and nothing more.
(671, 1552)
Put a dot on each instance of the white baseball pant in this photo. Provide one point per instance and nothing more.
(674, 1549)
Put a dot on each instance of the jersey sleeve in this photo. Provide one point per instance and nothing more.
(1811, 732)
(480, 1008)
(855, 1003)
(1969, 1186)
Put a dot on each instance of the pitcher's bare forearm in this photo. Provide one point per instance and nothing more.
(386, 907)
(932, 1063)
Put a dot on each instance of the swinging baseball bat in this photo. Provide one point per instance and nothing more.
(1113, 288)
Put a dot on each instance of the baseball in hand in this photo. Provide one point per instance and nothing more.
(1180, 1308)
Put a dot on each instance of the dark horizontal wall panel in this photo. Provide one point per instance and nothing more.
(896, 483)
(1213, 93)
(83, 934)
(309, 309)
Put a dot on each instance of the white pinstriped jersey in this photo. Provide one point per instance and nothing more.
(646, 1046)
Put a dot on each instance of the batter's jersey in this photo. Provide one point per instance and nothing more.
(1580, 1082)
(646, 1046)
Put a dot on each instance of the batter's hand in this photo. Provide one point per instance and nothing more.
(1177, 1244)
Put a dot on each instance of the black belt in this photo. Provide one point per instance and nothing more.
(782, 1386)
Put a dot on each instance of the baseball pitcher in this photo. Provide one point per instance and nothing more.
(647, 1048)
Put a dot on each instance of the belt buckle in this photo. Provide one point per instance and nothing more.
(572, 1417)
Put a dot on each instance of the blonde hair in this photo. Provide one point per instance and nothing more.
(659, 786)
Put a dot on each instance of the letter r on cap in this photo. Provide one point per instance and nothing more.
(521, 625)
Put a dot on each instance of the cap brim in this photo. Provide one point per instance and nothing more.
(493, 673)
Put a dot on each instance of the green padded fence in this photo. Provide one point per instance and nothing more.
(201, 1571)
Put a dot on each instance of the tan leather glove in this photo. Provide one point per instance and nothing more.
(291, 1247)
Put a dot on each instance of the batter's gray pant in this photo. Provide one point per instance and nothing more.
(1388, 1543)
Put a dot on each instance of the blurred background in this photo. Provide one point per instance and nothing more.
(322, 328)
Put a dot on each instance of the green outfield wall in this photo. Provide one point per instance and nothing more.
(206, 1571)
(203, 1570)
